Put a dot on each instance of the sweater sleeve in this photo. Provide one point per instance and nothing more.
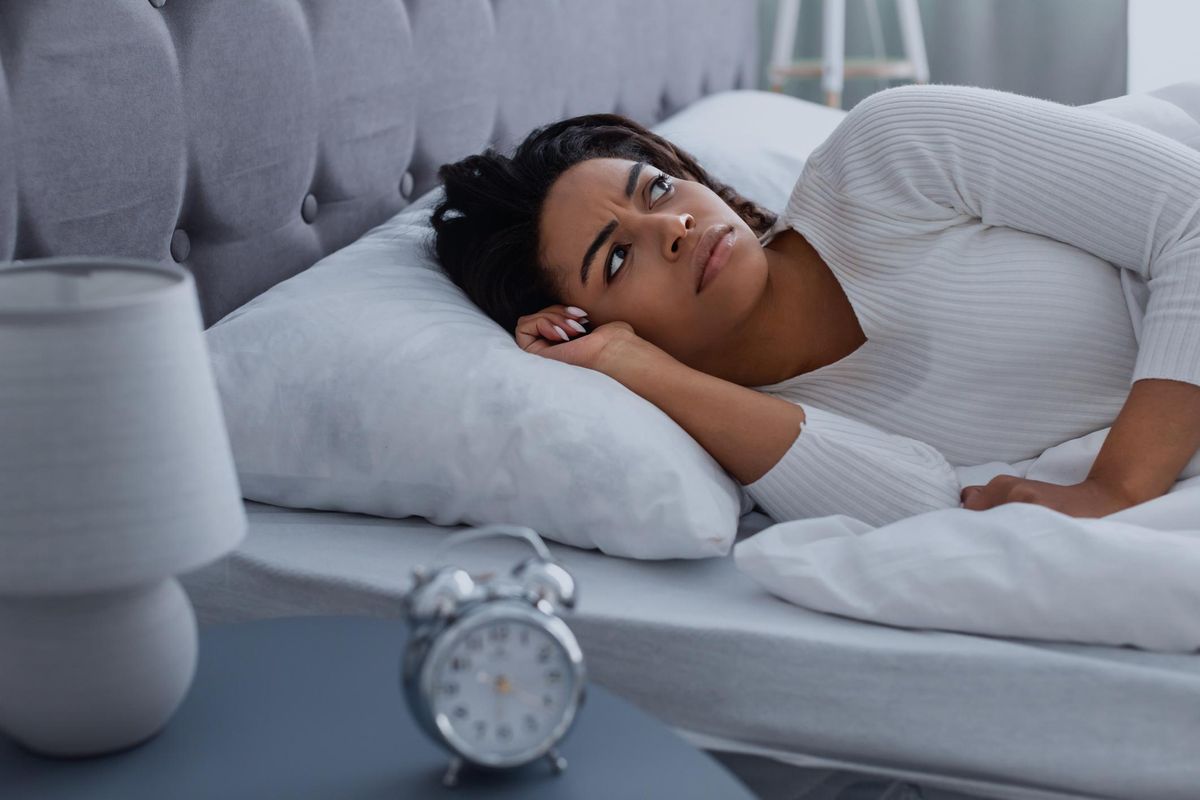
(1124, 193)
(841, 466)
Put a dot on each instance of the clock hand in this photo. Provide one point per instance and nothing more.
(522, 694)
(532, 702)
(483, 677)
(528, 698)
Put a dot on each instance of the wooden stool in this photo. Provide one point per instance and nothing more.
(833, 66)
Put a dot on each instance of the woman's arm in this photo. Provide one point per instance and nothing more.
(1152, 440)
(747, 432)
(795, 463)
(1148, 446)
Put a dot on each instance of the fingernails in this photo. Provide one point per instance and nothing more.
(562, 333)
(576, 326)
(576, 312)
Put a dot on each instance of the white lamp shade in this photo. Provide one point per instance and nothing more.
(115, 465)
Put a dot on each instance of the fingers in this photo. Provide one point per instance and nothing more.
(999, 490)
(571, 319)
(550, 328)
(555, 324)
(972, 498)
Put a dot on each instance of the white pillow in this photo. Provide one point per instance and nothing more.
(369, 383)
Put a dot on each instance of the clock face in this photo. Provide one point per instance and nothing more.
(504, 687)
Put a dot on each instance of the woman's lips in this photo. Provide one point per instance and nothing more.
(717, 257)
(704, 249)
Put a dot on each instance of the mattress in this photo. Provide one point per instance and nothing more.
(701, 647)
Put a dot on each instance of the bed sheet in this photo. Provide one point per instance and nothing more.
(702, 647)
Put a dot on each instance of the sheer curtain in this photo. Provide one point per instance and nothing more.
(1070, 51)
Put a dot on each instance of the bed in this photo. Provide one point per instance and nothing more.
(247, 140)
(701, 646)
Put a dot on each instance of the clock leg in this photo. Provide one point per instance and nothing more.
(450, 779)
(557, 762)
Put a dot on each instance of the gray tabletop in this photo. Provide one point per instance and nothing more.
(310, 707)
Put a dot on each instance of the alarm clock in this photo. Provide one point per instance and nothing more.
(491, 671)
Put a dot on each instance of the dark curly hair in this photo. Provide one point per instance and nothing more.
(486, 226)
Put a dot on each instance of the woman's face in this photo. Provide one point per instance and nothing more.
(620, 236)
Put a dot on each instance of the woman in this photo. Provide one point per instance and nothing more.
(939, 289)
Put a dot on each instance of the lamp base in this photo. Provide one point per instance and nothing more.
(83, 675)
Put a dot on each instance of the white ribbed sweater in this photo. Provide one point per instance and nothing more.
(1015, 264)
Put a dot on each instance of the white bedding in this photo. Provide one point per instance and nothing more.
(1017, 570)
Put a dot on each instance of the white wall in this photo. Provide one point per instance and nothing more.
(1163, 43)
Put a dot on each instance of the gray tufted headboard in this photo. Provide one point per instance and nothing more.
(245, 139)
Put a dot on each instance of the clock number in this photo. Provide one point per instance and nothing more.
(475, 642)
(553, 676)
(460, 712)
(498, 633)
(544, 654)
(460, 663)
(547, 700)
(480, 727)
(449, 688)
(503, 732)
(530, 723)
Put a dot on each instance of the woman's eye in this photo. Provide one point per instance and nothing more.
(613, 259)
(661, 181)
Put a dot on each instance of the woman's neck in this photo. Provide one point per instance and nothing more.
(804, 320)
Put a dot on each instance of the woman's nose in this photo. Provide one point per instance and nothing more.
(681, 225)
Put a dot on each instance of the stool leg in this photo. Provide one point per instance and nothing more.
(914, 38)
(787, 17)
(833, 51)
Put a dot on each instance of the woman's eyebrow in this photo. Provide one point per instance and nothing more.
(604, 233)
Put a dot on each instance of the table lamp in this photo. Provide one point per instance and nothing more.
(115, 475)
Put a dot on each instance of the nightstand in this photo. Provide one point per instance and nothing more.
(310, 707)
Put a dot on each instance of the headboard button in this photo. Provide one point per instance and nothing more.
(308, 209)
(406, 184)
(181, 246)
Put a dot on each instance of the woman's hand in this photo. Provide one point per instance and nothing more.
(1089, 498)
(550, 333)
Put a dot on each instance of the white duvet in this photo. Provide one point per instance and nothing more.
(1016, 570)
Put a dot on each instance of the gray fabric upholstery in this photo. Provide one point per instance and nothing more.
(248, 139)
